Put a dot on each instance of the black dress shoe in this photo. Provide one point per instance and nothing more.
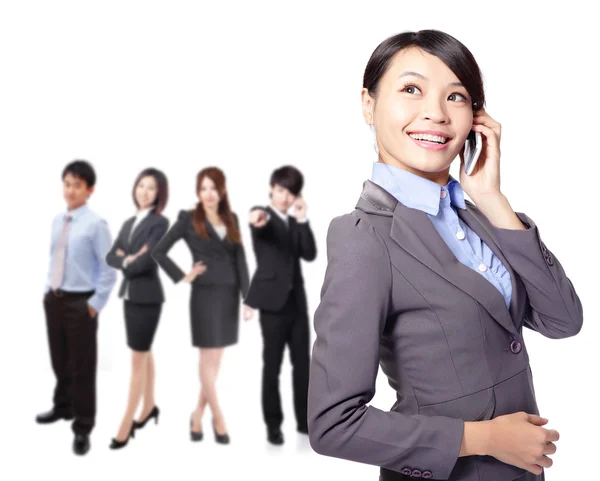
(303, 429)
(153, 414)
(221, 438)
(81, 444)
(194, 435)
(52, 416)
(115, 444)
(275, 436)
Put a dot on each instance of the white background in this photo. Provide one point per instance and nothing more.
(248, 87)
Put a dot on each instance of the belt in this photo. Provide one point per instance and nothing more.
(61, 293)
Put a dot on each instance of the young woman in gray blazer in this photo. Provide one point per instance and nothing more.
(218, 277)
(435, 289)
(142, 293)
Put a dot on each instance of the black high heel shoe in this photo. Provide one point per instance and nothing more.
(153, 414)
(220, 438)
(195, 436)
(121, 444)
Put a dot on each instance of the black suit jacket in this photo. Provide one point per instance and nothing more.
(278, 249)
(225, 261)
(140, 275)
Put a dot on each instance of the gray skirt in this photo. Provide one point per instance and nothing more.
(214, 315)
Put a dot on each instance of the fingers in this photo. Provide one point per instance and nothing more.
(533, 468)
(552, 435)
(537, 420)
(490, 135)
(544, 462)
(550, 448)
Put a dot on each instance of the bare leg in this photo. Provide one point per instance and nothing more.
(149, 401)
(210, 362)
(136, 388)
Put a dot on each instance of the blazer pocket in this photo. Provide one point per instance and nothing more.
(479, 406)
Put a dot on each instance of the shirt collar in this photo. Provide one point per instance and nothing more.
(76, 213)
(414, 191)
(281, 215)
(140, 214)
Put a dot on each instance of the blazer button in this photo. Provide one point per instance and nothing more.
(515, 347)
(549, 260)
(406, 471)
(427, 474)
(416, 473)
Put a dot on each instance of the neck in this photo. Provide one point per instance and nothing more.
(211, 211)
(74, 207)
(440, 178)
(284, 212)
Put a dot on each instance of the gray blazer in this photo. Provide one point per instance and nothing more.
(395, 295)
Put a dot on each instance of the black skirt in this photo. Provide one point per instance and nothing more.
(214, 314)
(141, 321)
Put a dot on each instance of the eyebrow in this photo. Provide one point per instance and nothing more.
(422, 77)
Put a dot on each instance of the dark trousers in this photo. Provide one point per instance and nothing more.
(288, 326)
(73, 352)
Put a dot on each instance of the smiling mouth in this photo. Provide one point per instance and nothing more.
(434, 139)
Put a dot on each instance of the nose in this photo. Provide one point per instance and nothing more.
(434, 110)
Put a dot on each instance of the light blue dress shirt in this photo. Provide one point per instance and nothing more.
(440, 203)
(85, 268)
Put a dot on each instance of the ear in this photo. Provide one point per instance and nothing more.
(90, 191)
(368, 105)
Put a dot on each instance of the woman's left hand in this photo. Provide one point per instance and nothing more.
(485, 178)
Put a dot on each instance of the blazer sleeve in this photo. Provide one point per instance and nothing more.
(112, 259)
(554, 309)
(240, 263)
(349, 321)
(307, 248)
(145, 263)
(159, 253)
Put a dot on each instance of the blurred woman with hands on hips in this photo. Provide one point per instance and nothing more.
(218, 277)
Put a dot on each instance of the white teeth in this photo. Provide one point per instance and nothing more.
(430, 138)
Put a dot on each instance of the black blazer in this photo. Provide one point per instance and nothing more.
(225, 261)
(278, 249)
(142, 274)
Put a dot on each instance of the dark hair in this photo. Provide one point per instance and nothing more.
(162, 187)
(288, 177)
(218, 177)
(81, 169)
(453, 53)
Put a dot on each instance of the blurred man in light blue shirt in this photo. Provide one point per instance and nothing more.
(78, 286)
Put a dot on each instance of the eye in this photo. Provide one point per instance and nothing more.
(411, 89)
(457, 97)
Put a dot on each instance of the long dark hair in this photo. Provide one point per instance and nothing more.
(224, 210)
(162, 186)
(449, 50)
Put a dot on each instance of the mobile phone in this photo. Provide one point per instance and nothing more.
(473, 147)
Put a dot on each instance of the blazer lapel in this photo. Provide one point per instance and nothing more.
(127, 231)
(479, 224)
(138, 228)
(414, 232)
(283, 230)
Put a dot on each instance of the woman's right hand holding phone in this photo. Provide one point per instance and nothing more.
(517, 439)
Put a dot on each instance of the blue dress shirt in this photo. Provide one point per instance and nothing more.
(85, 268)
(440, 203)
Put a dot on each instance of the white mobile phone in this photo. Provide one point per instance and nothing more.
(473, 147)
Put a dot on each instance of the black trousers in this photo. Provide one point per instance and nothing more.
(72, 337)
(288, 326)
